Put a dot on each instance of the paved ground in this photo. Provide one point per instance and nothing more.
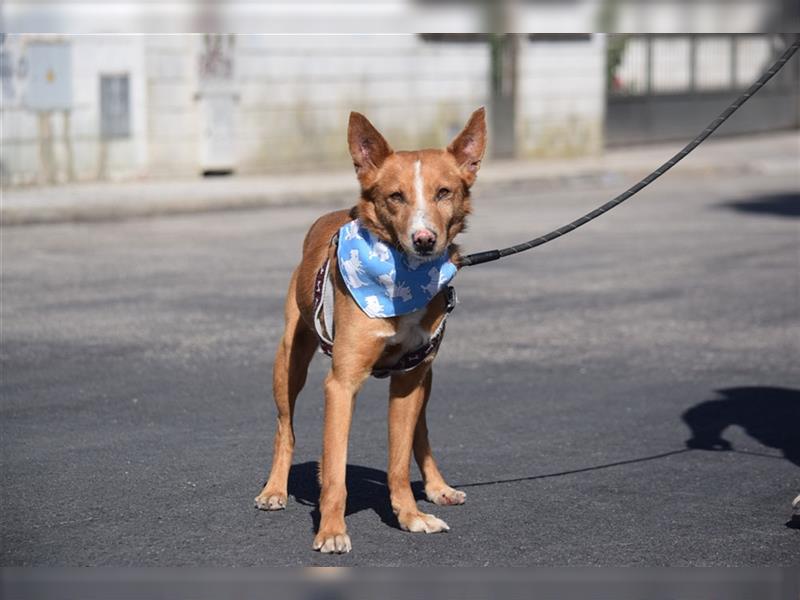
(136, 420)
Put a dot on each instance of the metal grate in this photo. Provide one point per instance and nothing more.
(664, 87)
(686, 64)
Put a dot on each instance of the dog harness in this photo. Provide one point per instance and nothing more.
(384, 283)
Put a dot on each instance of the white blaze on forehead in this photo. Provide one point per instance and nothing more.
(419, 186)
(418, 222)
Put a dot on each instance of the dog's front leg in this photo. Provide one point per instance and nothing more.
(353, 357)
(407, 396)
(339, 402)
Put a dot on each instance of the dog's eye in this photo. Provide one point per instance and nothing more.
(442, 193)
(397, 197)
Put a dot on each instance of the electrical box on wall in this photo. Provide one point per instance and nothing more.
(49, 85)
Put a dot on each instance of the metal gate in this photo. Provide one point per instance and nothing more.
(665, 87)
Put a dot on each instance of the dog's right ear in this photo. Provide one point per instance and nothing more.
(367, 146)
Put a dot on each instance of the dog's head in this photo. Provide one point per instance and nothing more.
(417, 200)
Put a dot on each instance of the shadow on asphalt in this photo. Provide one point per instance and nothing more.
(779, 205)
(366, 489)
(770, 415)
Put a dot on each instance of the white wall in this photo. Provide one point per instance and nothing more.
(91, 57)
(294, 94)
(173, 125)
(561, 97)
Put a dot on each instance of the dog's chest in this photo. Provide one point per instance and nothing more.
(409, 333)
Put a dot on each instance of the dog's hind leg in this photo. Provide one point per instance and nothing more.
(295, 351)
(407, 395)
(436, 489)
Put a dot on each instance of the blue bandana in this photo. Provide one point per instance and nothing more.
(383, 281)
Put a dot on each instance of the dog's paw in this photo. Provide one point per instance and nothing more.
(420, 522)
(332, 542)
(270, 501)
(445, 495)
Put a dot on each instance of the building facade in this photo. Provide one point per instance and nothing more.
(132, 106)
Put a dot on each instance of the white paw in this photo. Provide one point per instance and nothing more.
(332, 543)
(270, 501)
(422, 523)
(445, 496)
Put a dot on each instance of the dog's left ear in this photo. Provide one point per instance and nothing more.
(469, 145)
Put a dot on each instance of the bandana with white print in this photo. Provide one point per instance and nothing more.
(383, 281)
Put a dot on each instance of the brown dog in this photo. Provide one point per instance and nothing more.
(416, 202)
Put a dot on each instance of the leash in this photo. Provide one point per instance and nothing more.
(490, 255)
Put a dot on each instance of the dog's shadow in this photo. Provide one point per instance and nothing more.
(366, 489)
(769, 415)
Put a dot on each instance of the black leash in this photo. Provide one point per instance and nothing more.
(490, 255)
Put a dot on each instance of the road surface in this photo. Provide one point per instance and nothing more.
(627, 395)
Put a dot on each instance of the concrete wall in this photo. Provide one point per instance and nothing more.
(297, 92)
(293, 95)
(561, 97)
(173, 123)
(72, 137)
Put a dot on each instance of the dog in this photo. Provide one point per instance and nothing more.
(412, 206)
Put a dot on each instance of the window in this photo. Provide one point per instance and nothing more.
(115, 117)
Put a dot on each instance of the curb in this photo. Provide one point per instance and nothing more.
(105, 212)
(153, 198)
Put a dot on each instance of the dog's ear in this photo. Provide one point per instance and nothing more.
(469, 145)
(367, 146)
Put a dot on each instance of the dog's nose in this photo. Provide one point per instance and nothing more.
(424, 241)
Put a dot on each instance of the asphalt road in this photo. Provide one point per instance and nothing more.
(137, 416)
